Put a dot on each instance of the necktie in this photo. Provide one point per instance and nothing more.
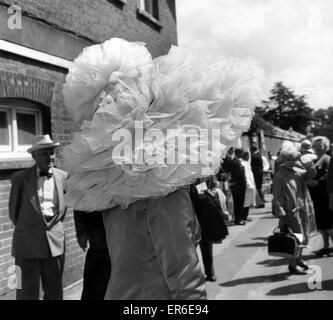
(45, 174)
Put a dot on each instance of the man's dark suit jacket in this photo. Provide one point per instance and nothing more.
(210, 215)
(90, 224)
(34, 237)
(257, 165)
(237, 171)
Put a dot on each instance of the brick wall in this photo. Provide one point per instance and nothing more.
(17, 85)
(95, 21)
(5, 232)
(45, 87)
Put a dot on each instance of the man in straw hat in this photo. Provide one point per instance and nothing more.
(37, 210)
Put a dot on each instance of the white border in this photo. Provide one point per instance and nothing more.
(34, 54)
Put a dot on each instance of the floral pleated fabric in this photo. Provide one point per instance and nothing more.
(150, 127)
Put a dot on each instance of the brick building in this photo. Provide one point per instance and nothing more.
(38, 41)
(271, 138)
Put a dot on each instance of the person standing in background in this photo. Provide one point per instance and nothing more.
(37, 210)
(291, 199)
(265, 164)
(210, 208)
(97, 269)
(271, 161)
(227, 161)
(318, 191)
(250, 193)
(330, 183)
(224, 177)
(238, 185)
(306, 147)
(258, 173)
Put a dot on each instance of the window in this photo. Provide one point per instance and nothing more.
(20, 122)
(4, 130)
(27, 126)
(149, 9)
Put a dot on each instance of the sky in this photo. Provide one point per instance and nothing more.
(292, 39)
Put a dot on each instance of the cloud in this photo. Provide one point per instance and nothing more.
(292, 39)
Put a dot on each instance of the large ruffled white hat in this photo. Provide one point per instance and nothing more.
(118, 86)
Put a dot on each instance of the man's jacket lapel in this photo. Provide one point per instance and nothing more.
(60, 190)
(60, 193)
(31, 181)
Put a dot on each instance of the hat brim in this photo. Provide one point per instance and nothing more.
(43, 146)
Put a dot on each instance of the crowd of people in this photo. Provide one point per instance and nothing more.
(302, 200)
(302, 190)
(37, 210)
(243, 172)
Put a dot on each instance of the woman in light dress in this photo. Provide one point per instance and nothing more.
(250, 193)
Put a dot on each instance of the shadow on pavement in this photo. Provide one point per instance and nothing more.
(259, 279)
(269, 217)
(299, 288)
(279, 262)
(274, 262)
(252, 244)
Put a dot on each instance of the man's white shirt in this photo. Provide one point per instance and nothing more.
(47, 194)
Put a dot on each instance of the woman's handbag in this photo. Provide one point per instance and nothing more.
(283, 243)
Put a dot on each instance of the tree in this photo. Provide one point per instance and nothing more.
(285, 109)
(322, 124)
(258, 121)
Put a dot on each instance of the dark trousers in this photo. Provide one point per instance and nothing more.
(245, 212)
(97, 271)
(207, 257)
(238, 198)
(258, 178)
(46, 270)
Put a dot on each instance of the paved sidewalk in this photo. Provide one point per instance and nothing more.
(245, 271)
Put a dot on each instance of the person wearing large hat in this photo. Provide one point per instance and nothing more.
(150, 227)
(37, 210)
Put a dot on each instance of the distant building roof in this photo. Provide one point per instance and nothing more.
(283, 134)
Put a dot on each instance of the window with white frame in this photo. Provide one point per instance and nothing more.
(150, 7)
(20, 122)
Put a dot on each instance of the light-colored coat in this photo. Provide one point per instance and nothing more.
(292, 201)
(250, 193)
(152, 250)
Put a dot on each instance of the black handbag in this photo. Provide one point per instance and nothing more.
(283, 243)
